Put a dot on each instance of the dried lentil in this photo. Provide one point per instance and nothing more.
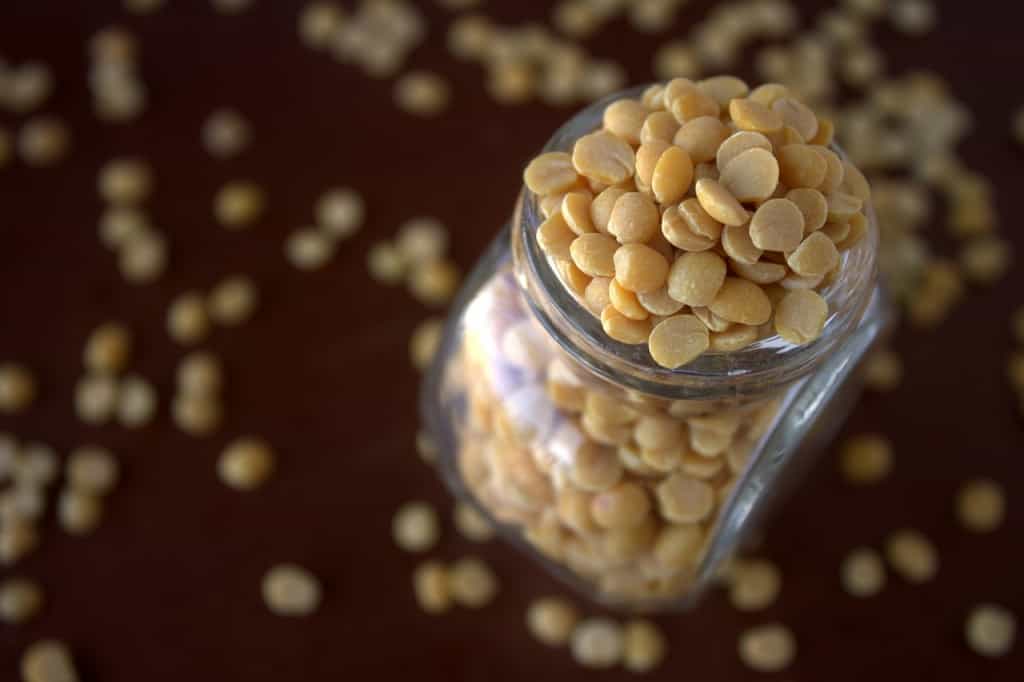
(17, 388)
(644, 646)
(862, 572)
(471, 524)
(752, 175)
(20, 600)
(719, 202)
(866, 458)
(435, 282)
(472, 583)
(43, 141)
(225, 134)
(767, 648)
(96, 398)
(232, 300)
(430, 586)
(551, 620)
(239, 204)
(187, 322)
(603, 157)
(18, 538)
(291, 590)
(246, 463)
(991, 630)
(915, 17)
(136, 401)
(340, 212)
(385, 263)
(92, 469)
(683, 499)
(912, 555)
(48, 660)
(597, 643)
(422, 240)
(143, 257)
(125, 182)
(308, 249)
(740, 300)
(199, 374)
(981, 505)
(424, 342)
(754, 585)
(415, 527)
(422, 93)
(800, 316)
(107, 349)
(79, 512)
(883, 370)
(196, 414)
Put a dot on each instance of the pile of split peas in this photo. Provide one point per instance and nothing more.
(702, 216)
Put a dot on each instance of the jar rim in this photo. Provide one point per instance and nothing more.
(763, 366)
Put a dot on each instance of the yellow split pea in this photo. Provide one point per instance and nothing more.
(187, 322)
(912, 555)
(422, 93)
(79, 512)
(472, 583)
(95, 398)
(340, 212)
(430, 587)
(20, 600)
(678, 340)
(471, 524)
(551, 620)
(136, 401)
(225, 133)
(48, 660)
(108, 348)
(754, 584)
(866, 458)
(43, 141)
(199, 374)
(17, 388)
(232, 300)
(238, 204)
(991, 630)
(767, 648)
(800, 316)
(862, 572)
(125, 182)
(92, 469)
(246, 463)
(415, 527)
(291, 590)
(981, 505)
(597, 643)
(643, 646)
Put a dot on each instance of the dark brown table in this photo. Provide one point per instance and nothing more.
(168, 587)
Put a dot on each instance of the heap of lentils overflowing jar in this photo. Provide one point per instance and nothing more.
(699, 218)
(703, 216)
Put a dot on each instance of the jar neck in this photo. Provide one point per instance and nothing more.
(764, 367)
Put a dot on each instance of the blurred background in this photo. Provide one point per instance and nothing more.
(245, 113)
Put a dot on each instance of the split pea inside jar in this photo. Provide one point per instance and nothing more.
(667, 329)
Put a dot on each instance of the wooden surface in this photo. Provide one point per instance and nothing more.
(167, 589)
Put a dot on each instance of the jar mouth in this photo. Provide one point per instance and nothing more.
(761, 367)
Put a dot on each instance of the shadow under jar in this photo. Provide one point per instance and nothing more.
(630, 481)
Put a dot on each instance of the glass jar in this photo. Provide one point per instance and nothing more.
(630, 481)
